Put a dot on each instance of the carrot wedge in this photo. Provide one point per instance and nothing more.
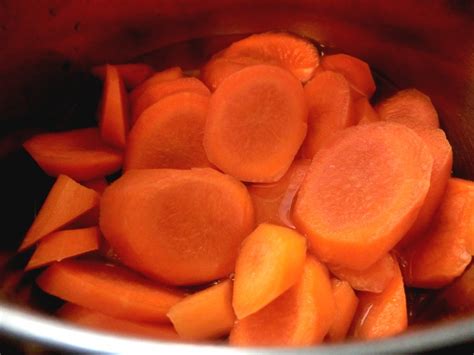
(362, 193)
(133, 74)
(111, 289)
(66, 202)
(364, 111)
(299, 317)
(64, 244)
(346, 302)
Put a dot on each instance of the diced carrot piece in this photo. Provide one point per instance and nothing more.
(64, 244)
(133, 74)
(459, 296)
(346, 302)
(169, 134)
(300, 316)
(111, 289)
(364, 112)
(98, 185)
(66, 202)
(180, 226)
(270, 261)
(331, 109)
(362, 193)
(207, 314)
(256, 123)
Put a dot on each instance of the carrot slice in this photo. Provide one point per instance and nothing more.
(114, 111)
(356, 71)
(346, 303)
(179, 226)
(111, 289)
(80, 154)
(381, 315)
(374, 279)
(364, 112)
(270, 261)
(98, 185)
(300, 316)
(459, 296)
(256, 123)
(290, 52)
(64, 244)
(65, 203)
(440, 255)
(411, 108)
(169, 134)
(330, 103)
(207, 314)
(362, 193)
(133, 74)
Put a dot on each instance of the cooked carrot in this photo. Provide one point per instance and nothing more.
(381, 315)
(364, 112)
(256, 123)
(114, 120)
(270, 261)
(133, 74)
(99, 321)
(300, 316)
(459, 296)
(346, 303)
(362, 193)
(156, 92)
(169, 134)
(98, 185)
(80, 154)
(292, 53)
(411, 108)
(180, 226)
(356, 71)
(205, 315)
(108, 288)
(64, 244)
(330, 103)
(107, 252)
(65, 203)
(440, 255)
(374, 279)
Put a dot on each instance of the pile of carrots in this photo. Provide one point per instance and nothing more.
(265, 201)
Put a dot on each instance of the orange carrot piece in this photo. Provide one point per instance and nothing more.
(169, 134)
(80, 154)
(256, 123)
(114, 118)
(362, 193)
(364, 112)
(172, 73)
(133, 74)
(459, 296)
(180, 226)
(205, 315)
(111, 289)
(411, 108)
(381, 315)
(440, 255)
(98, 185)
(290, 52)
(374, 279)
(346, 302)
(270, 261)
(356, 71)
(330, 103)
(99, 321)
(66, 202)
(300, 316)
(64, 244)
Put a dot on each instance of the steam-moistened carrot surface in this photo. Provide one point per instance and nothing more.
(345, 304)
(364, 112)
(132, 74)
(81, 154)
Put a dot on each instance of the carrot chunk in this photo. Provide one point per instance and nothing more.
(345, 301)
(98, 185)
(364, 111)
(459, 296)
(133, 74)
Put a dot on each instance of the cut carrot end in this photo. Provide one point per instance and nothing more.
(345, 301)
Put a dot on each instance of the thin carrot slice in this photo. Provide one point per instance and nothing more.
(362, 193)
(114, 118)
(374, 279)
(364, 111)
(133, 74)
(440, 255)
(205, 315)
(179, 226)
(169, 134)
(270, 261)
(356, 71)
(66, 202)
(346, 303)
(300, 316)
(99, 321)
(330, 103)
(381, 315)
(411, 108)
(98, 185)
(256, 123)
(111, 289)
(80, 154)
(459, 296)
